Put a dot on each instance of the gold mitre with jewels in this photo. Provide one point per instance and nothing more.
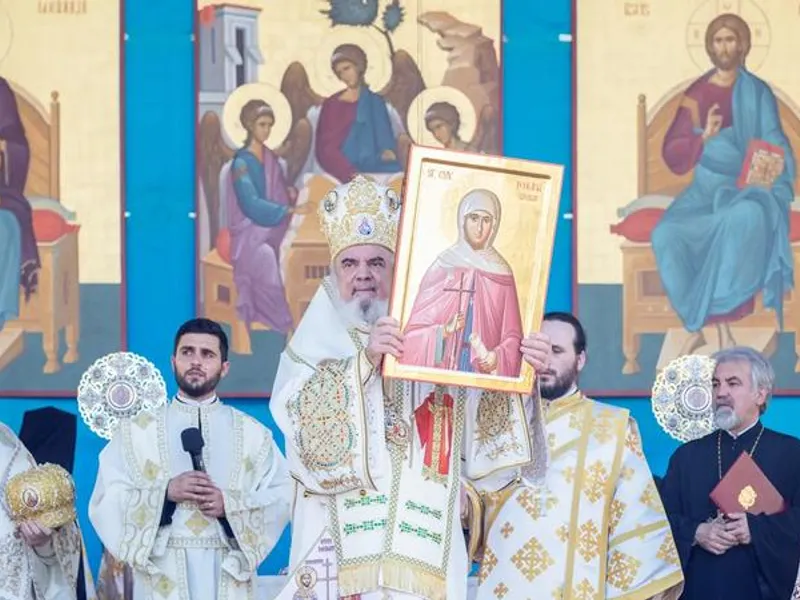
(360, 212)
(45, 494)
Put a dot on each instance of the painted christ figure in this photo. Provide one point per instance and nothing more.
(720, 243)
(466, 315)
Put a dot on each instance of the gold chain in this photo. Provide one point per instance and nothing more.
(719, 449)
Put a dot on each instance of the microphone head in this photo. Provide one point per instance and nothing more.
(192, 440)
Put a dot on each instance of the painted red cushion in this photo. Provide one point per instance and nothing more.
(638, 226)
(49, 226)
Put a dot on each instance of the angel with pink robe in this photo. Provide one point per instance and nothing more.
(466, 315)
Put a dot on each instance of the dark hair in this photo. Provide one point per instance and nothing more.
(564, 317)
(206, 326)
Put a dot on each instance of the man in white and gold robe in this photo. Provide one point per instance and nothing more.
(185, 532)
(379, 464)
(40, 541)
(597, 528)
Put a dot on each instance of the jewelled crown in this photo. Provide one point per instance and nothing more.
(45, 493)
(360, 212)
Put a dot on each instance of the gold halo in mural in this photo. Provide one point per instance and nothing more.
(231, 125)
(379, 62)
(749, 11)
(419, 106)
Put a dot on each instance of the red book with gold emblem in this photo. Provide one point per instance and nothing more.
(762, 165)
(745, 488)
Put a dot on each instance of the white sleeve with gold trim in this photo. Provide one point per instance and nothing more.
(642, 558)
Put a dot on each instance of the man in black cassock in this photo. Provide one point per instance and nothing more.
(740, 556)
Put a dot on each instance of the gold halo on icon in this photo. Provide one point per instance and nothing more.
(231, 125)
(419, 105)
(379, 63)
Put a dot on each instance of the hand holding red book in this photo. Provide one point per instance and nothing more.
(745, 488)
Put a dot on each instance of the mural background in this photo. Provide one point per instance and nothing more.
(257, 272)
(629, 87)
(69, 96)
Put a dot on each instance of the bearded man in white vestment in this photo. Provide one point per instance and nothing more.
(37, 562)
(186, 532)
(597, 528)
(381, 463)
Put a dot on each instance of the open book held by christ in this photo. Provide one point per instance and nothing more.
(762, 165)
(745, 488)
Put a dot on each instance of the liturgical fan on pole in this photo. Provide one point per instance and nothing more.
(116, 387)
(681, 397)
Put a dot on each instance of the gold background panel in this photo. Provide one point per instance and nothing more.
(78, 56)
(651, 54)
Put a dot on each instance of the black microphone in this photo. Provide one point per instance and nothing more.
(193, 443)
(192, 440)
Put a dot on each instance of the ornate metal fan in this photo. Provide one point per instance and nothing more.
(118, 386)
(681, 397)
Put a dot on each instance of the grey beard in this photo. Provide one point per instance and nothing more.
(364, 312)
(358, 312)
(726, 419)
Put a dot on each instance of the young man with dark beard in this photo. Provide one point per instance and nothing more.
(596, 528)
(192, 530)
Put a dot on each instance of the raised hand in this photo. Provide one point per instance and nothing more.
(535, 350)
(385, 338)
(713, 122)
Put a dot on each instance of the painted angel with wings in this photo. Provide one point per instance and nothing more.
(354, 130)
(444, 116)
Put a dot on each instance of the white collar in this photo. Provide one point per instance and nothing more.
(572, 390)
(192, 402)
(743, 431)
